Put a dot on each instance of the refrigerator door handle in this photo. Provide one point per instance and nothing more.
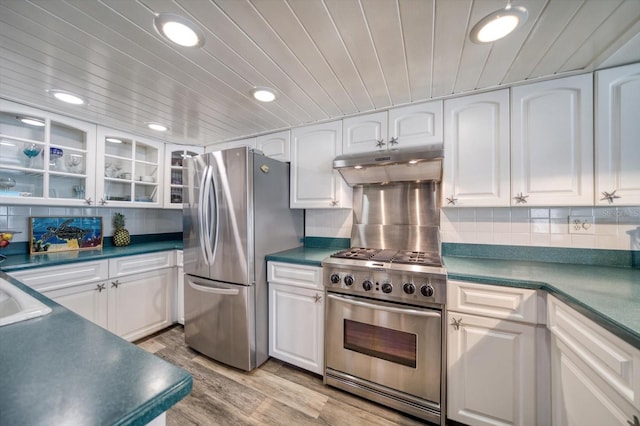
(214, 290)
(202, 215)
(214, 236)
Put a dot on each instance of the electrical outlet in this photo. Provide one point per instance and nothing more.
(581, 225)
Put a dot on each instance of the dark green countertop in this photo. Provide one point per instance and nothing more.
(312, 256)
(609, 296)
(62, 369)
(16, 262)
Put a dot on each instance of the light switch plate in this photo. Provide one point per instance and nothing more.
(582, 225)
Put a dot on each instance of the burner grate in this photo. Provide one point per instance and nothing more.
(393, 256)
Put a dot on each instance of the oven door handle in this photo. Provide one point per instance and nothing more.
(385, 307)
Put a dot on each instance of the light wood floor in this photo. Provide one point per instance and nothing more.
(274, 394)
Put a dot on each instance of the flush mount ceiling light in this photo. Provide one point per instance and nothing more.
(179, 30)
(157, 127)
(263, 94)
(67, 97)
(498, 24)
(32, 121)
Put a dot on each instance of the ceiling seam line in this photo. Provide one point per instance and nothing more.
(404, 52)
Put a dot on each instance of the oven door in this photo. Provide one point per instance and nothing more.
(392, 345)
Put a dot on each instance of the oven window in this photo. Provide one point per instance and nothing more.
(384, 343)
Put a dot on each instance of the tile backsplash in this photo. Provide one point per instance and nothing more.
(333, 223)
(615, 228)
(138, 221)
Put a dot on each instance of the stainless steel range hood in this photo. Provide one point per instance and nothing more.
(417, 165)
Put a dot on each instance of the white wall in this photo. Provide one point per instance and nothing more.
(138, 221)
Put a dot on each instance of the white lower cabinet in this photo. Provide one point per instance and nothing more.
(595, 376)
(128, 300)
(296, 315)
(493, 370)
(179, 308)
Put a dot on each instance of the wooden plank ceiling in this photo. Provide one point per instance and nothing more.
(326, 58)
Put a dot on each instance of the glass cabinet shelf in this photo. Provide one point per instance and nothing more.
(174, 160)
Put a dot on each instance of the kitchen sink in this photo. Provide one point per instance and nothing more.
(16, 305)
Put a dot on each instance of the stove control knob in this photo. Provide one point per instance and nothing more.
(427, 290)
(387, 287)
(335, 278)
(367, 285)
(409, 288)
(348, 280)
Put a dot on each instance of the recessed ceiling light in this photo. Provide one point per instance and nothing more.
(357, 167)
(67, 97)
(157, 127)
(498, 24)
(413, 162)
(113, 140)
(263, 94)
(32, 121)
(179, 30)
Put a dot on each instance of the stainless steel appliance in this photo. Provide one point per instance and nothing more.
(236, 211)
(384, 327)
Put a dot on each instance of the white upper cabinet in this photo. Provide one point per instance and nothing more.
(476, 143)
(131, 168)
(275, 145)
(45, 158)
(398, 128)
(415, 125)
(617, 136)
(174, 156)
(552, 142)
(250, 142)
(314, 183)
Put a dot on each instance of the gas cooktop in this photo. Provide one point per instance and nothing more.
(408, 257)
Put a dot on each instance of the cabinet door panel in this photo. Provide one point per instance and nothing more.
(296, 326)
(617, 130)
(416, 125)
(275, 145)
(476, 168)
(491, 371)
(140, 304)
(122, 266)
(363, 133)
(88, 301)
(552, 142)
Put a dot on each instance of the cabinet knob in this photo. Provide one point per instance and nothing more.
(334, 203)
(393, 141)
(636, 421)
(100, 287)
(115, 283)
(380, 143)
(521, 198)
(609, 196)
(456, 323)
(103, 201)
(88, 201)
(452, 200)
(317, 298)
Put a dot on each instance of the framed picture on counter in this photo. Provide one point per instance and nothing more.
(55, 234)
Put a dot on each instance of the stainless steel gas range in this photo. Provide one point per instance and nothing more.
(384, 328)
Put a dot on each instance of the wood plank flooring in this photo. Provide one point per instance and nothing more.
(274, 394)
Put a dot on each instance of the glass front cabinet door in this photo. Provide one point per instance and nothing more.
(131, 169)
(173, 183)
(45, 158)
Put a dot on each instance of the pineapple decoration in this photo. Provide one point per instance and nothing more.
(121, 235)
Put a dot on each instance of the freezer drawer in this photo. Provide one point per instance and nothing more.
(219, 321)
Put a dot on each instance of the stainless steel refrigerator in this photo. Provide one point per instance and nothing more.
(236, 211)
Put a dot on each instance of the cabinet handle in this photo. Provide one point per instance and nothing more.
(521, 198)
(115, 283)
(380, 143)
(393, 141)
(636, 421)
(609, 196)
(452, 200)
(317, 298)
(88, 201)
(456, 323)
(335, 203)
(100, 287)
(103, 201)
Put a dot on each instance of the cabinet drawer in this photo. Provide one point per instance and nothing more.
(55, 277)
(517, 304)
(127, 265)
(293, 274)
(614, 360)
